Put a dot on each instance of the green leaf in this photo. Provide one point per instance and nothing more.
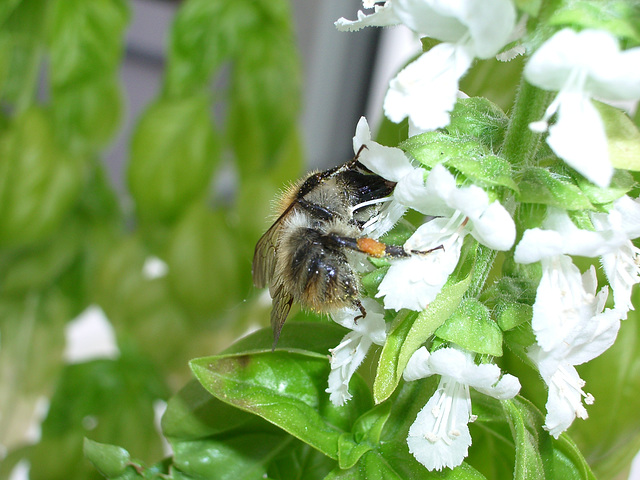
(38, 181)
(526, 425)
(264, 91)
(486, 171)
(365, 436)
(21, 51)
(433, 148)
(213, 439)
(623, 137)
(410, 330)
(203, 34)
(86, 38)
(41, 265)
(286, 388)
(110, 460)
(201, 251)
(621, 183)
(173, 153)
(539, 185)
(619, 17)
(87, 113)
(479, 118)
(471, 327)
(511, 314)
(110, 401)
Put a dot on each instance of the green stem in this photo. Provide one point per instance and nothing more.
(483, 264)
(521, 143)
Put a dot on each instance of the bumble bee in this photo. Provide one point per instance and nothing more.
(303, 256)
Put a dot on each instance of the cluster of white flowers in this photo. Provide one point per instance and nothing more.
(570, 321)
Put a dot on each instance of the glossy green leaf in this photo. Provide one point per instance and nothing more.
(85, 39)
(110, 460)
(211, 438)
(173, 153)
(408, 332)
(471, 327)
(286, 388)
(539, 185)
(622, 135)
(479, 118)
(39, 181)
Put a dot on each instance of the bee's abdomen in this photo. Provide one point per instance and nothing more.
(322, 277)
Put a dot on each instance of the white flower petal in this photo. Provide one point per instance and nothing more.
(414, 282)
(561, 302)
(345, 360)
(426, 90)
(437, 19)
(440, 436)
(494, 228)
(490, 23)
(388, 162)
(383, 16)
(90, 336)
(578, 137)
(418, 365)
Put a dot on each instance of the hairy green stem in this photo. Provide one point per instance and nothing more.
(521, 143)
(485, 257)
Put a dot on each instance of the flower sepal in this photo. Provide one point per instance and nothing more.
(472, 328)
(554, 187)
(479, 118)
(623, 137)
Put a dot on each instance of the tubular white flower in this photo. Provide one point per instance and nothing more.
(611, 242)
(426, 90)
(589, 339)
(414, 282)
(581, 65)
(391, 164)
(349, 354)
(440, 436)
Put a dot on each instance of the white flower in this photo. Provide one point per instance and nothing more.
(611, 242)
(591, 334)
(391, 164)
(415, 281)
(440, 436)
(154, 267)
(90, 336)
(581, 65)
(426, 90)
(349, 354)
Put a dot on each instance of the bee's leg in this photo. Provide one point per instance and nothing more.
(363, 312)
(374, 248)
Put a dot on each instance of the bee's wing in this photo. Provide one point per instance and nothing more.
(282, 301)
(264, 256)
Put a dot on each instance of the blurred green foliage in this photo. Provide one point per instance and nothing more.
(68, 241)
